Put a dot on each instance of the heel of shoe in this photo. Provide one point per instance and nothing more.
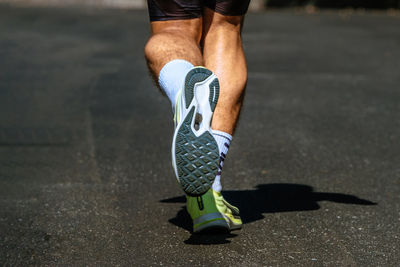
(210, 222)
(196, 75)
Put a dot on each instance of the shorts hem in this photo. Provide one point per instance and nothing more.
(165, 18)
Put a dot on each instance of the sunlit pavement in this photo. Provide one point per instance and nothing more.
(85, 173)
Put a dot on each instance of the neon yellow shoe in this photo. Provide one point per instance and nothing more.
(211, 211)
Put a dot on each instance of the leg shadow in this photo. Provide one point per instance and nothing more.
(269, 198)
(216, 238)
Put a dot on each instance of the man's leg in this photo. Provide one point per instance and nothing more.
(223, 54)
(171, 40)
(172, 51)
(172, 54)
(174, 40)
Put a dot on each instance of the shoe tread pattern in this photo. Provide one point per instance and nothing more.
(196, 158)
(194, 76)
(214, 93)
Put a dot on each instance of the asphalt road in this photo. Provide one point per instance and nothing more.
(85, 176)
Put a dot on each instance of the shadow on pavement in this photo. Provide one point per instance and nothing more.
(266, 198)
(209, 239)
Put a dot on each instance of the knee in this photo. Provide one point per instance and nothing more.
(229, 24)
(229, 21)
(224, 29)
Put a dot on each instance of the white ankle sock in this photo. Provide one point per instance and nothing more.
(172, 76)
(223, 140)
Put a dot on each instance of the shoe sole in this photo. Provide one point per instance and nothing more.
(195, 154)
(217, 224)
(213, 222)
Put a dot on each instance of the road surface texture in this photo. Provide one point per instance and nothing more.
(86, 178)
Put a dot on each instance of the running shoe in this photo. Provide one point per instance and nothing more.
(195, 154)
(212, 212)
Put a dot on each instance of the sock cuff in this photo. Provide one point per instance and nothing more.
(223, 141)
(172, 66)
(222, 134)
(172, 77)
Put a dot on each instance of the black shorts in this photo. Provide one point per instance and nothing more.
(160, 10)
